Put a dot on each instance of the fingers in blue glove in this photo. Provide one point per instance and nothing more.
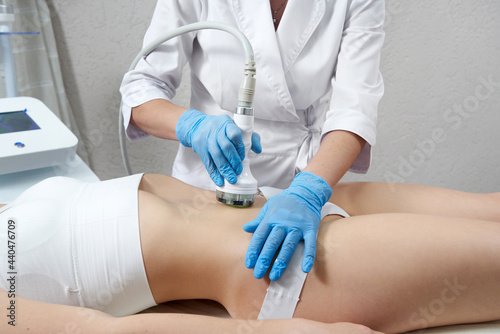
(225, 167)
(233, 133)
(309, 251)
(287, 249)
(271, 245)
(218, 142)
(257, 242)
(226, 152)
(252, 226)
(295, 209)
(211, 168)
(256, 146)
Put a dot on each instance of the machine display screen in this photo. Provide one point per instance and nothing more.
(16, 121)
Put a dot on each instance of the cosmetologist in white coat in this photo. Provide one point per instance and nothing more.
(317, 93)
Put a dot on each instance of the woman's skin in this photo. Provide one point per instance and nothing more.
(382, 268)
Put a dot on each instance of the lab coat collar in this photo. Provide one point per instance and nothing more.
(280, 49)
(299, 21)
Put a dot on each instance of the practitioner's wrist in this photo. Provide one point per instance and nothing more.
(312, 188)
(187, 124)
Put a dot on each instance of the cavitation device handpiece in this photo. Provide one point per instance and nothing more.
(242, 193)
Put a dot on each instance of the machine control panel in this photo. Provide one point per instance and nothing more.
(31, 136)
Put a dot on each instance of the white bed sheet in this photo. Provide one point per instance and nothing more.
(211, 308)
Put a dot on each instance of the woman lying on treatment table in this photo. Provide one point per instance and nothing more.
(124, 245)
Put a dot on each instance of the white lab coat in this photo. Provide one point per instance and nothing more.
(320, 45)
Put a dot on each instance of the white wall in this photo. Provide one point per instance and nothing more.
(438, 120)
(436, 57)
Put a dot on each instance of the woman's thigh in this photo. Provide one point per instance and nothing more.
(397, 272)
(361, 198)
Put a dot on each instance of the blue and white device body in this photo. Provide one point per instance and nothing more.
(32, 137)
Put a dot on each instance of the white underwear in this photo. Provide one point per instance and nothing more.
(283, 295)
(78, 244)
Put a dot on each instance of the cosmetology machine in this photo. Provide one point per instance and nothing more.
(31, 136)
(242, 193)
(6, 20)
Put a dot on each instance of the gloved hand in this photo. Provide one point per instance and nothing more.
(218, 142)
(287, 218)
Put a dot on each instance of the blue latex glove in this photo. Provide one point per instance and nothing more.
(287, 218)
(218, 142)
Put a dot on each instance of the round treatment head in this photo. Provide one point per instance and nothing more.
(236, 200)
